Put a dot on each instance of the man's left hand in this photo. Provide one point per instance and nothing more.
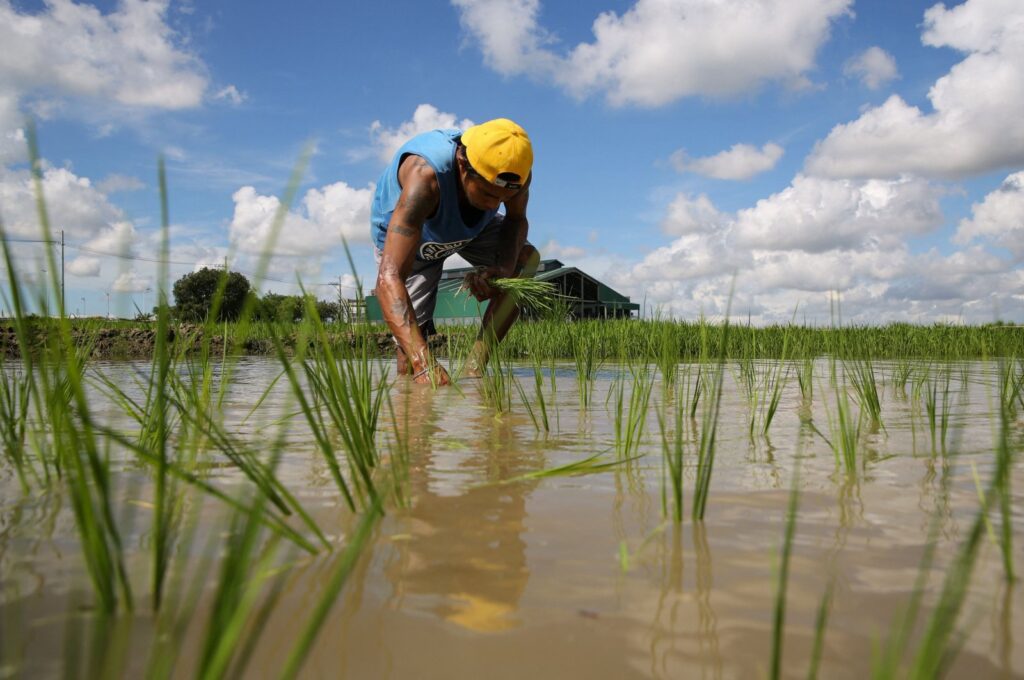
(478, 282)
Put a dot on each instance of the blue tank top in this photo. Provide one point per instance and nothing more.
(445, 233)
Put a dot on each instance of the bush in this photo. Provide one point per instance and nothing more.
(194, 293)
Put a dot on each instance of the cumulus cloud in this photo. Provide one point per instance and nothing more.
(131, 282)
(130, 55)
(72, 202)
(816, 215)
(84, 266)
(998, 219)
(741, 161)
(426, 117)
(324, 216)
(975, 123)
(689, 215)
(660, 50)
(820, 238)
(874, 67)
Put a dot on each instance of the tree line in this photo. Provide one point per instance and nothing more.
(194, 296)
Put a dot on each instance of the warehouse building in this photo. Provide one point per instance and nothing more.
(584, 296)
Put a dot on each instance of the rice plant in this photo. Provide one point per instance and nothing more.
(709, 427)
(585, 349)
(629, 424)
(528, 293)
(861, 374)
(672, 448)
(779, 615)
(940, 640)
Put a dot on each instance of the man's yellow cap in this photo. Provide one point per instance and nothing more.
(500, 152)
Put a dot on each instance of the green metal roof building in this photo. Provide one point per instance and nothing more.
(586, 297)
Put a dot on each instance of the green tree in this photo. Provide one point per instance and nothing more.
(194, 293)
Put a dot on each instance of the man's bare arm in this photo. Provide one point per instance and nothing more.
(514, 231)
(419, 200)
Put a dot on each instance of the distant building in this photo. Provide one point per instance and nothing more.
(584, 296)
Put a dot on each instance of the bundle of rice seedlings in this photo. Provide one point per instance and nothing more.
(539, 296)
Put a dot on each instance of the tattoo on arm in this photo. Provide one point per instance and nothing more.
(402, 230)
(400, 310)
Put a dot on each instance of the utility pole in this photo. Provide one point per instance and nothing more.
(62, 303)
(108, 304)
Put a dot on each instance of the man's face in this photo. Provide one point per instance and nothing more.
(480, 193)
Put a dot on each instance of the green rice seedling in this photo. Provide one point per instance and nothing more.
(672, 447)
(779, 616)
(1011, 386)
(709, 427)
(629, 430)
(497, 381)
(805, 380)
(862, 377)
(668, 356)
(940, 640)
(937, 406)
(844, 427)
(15, 397)
(585, 350)
(901, 372)
(1004, 460)
(538, 392)
(528, 293)
(83, 462)
(587, 466)
(820, 624)
(346, 562)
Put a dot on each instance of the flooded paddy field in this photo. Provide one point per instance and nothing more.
(528, 527)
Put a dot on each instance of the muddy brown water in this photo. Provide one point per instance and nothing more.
(527, 579)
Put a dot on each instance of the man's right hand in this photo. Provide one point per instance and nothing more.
(435, 375)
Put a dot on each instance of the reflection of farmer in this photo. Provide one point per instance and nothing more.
(440, 195)
(462, 555)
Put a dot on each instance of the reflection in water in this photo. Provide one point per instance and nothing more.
(663, 635)
(460, 551)
(708, 632)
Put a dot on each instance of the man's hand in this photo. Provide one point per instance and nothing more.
(478, 282)
(433, 374)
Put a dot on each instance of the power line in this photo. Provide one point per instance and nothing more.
(153, 260)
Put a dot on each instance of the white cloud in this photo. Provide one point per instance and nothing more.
(817, 215)
(741, 161)
(567, 254)
(975, 124)
(316, 228)
(999, 218)
(129, 55)
(231, 94)
(131, 282)
(84, 266)
(116, 183)
(660, 50)
(426, 117)
(72, 203)
(688, 215)
(818, 238)
(874, 67)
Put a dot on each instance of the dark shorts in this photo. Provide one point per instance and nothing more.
(422, 281)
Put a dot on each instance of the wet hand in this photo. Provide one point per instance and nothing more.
(477, 282)
(434, 374)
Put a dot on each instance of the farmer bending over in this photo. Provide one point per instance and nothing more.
(439, 196)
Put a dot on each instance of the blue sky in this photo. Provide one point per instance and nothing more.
(800, 148)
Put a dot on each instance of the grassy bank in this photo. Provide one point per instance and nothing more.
(611, 339)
